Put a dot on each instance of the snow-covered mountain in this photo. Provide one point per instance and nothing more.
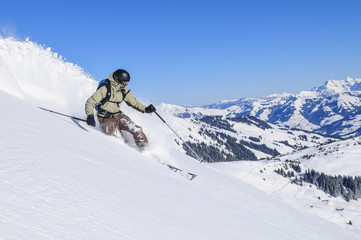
(333, 109)
(61, 179)
(217, 138)
(333, 87)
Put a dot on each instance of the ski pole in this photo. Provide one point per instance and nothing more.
(62, 114)
(195, 154)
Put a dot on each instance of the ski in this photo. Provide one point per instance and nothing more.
(188, 175)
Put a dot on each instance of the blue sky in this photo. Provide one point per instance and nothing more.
(198, 52)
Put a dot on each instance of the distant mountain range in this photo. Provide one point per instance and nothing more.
(333, 109)
(225, 139)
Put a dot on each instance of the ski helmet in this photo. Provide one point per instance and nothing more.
(121, 76)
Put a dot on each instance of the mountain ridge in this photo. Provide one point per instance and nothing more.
(316, 110)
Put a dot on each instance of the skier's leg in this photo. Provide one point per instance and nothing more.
(126, 124)
(109, 126)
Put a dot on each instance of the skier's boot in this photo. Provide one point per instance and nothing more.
(142, 146)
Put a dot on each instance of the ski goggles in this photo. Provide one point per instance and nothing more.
(125, 83)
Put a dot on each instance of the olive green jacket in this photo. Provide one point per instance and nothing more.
(116, 97)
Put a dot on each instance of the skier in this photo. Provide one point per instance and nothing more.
(110, 118)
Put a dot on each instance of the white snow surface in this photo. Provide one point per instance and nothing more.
(261, 174)
(60, 179)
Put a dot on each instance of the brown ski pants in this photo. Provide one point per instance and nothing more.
(121, 122)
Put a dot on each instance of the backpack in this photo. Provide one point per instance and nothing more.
(106, 83)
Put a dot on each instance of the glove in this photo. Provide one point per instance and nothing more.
(90, 120)
(150, 109)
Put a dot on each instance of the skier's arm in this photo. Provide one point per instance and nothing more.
(94, 99)
(131, 101)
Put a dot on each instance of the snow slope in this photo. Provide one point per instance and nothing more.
(60, 179)
(261, 174)
(333, 159)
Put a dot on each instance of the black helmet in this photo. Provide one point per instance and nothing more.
(121, 76)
